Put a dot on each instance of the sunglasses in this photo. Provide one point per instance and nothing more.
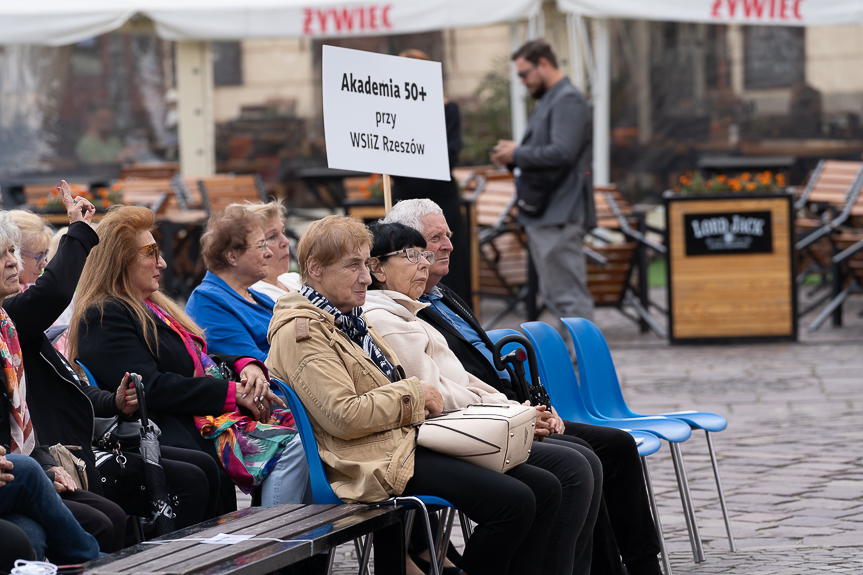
(524, 73)
(413, 255)
(151, 250)
(38, 257)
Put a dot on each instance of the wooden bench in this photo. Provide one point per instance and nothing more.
(220, 191)
(281, 536)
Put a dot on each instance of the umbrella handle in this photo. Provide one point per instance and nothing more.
(142, 404)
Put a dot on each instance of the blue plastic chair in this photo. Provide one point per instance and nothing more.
(601, 390)
(89, 375)
(559, 378)
(324, 495)
(648, 445)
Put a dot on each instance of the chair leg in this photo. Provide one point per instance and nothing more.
(409, 525)
(331, 561)
(429, 535)
(138, 527)
(366, 553)
(720, 491)
(466, 527)
(834, 305)
(666, 564)
(686, 500)
(447, 517)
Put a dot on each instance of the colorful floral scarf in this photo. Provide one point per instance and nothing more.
(23, 439)
(352, 325)
(248, 449)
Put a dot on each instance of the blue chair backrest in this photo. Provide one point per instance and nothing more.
(87, 373)
(557, 371)
(321, 489)
(496, 334)
(600, 387)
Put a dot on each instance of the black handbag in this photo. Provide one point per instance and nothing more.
(535, 187)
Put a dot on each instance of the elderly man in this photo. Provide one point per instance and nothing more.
(623, 484)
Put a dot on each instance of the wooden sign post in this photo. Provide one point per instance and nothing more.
(384, 114)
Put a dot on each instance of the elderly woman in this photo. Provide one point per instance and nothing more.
(363, 411)
(123, 322)
(234, 316)
(31, 501)
(279, 280)
(399, 268)
(35, 239)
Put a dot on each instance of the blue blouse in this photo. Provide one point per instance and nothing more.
(232, 325)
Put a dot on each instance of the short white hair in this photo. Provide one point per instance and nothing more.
(10, 235)
(411, 212)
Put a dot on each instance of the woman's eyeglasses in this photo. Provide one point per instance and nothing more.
(38, 257)
(151, 251)
(261, 246)
(413, 255)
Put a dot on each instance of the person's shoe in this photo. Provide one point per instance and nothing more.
(425, 566)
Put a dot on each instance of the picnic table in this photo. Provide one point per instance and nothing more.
(274, 537)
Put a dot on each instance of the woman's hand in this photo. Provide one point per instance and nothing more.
(433, 399)
(78, 209)
(126, 398)
(544, 423)
(253, 381)
(5, 467)
(63, 481)
(559, 426)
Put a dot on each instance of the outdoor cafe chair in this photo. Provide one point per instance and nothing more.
(323, 494)
(601, 391)
(558, 375)
(647, 443)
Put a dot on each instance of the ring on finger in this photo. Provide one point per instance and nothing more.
(75, 200)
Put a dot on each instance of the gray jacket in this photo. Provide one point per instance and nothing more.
(559, 133)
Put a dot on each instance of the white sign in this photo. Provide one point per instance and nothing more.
(384, 114)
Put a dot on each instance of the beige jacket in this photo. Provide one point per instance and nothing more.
(362, 421)
(424, 351)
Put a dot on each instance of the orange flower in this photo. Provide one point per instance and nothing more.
(745, 176)
(750, 186)
(780, 180)
(105, 203)
(721, 178)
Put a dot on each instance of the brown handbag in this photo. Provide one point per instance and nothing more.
(74, 466)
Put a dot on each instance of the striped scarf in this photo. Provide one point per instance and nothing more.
(247, 449)
(352, 325)
(23, 438)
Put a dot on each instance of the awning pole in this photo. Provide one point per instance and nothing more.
(601, 92)
(195, 109)
(517, 91)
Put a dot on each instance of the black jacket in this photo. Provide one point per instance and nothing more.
(114, 344)
(470, 357)
(61, 407)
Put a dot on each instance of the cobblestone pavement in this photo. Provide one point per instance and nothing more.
(791, 460)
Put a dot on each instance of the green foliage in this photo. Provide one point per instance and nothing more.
(490, 122)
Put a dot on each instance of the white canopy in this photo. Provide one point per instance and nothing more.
(760, 12)
(58, 22)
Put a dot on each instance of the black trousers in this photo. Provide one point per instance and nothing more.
(579, 472)
(98, 516)
(515, 511)
(625, 495)
(193, 481)
(15, 546)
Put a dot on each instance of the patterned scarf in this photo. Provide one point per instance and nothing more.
(23, 439)
(248, 449)
(352, 325)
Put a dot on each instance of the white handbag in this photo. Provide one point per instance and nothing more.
(497, 437)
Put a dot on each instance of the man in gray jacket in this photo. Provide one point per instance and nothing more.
(552, 168)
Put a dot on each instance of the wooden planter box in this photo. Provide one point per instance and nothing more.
(731, 268)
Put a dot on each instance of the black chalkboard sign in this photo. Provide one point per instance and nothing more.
(775, 56)
(728, 233)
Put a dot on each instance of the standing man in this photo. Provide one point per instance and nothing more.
(631, 530)
(555, 187)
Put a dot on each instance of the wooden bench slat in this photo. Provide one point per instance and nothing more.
(252, 517)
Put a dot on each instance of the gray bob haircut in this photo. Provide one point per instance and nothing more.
(410, 212)
(10, 235)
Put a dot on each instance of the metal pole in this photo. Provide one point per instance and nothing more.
(517, 91)
(601, 92)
